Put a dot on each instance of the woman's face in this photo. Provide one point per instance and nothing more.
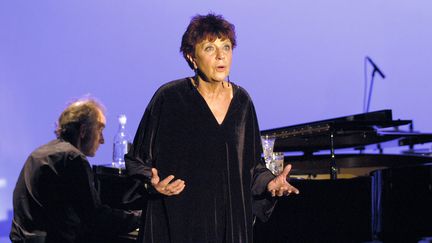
(213, 59)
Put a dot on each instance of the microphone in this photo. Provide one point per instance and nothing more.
(376, 68)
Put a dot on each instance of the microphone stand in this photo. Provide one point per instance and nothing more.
(370, 89)
(375, 70)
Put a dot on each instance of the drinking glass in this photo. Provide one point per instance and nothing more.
(267, 144)
(277, 163)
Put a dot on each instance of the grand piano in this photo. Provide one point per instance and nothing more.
(351, 189)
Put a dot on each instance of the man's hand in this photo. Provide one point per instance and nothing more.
(165, 186)
(279, 186)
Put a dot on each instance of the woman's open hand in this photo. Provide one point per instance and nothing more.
(166, 186)
(279, 186)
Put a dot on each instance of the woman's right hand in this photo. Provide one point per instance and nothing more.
(165, 186)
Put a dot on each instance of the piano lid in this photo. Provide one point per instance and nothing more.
(349, 131)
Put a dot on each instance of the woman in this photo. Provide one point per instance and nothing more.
(198, 147)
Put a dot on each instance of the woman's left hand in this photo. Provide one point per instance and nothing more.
(279, 186)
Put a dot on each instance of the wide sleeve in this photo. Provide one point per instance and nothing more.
(262, 202)
(140, 158)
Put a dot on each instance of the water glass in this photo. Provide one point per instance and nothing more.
(277, 163)
(267, 144)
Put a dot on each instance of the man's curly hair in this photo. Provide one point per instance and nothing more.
(84, 111)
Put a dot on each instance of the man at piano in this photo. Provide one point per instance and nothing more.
(54, 199)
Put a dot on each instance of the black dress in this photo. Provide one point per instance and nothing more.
(221, 165)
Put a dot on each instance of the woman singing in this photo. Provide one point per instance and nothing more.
(198, 149)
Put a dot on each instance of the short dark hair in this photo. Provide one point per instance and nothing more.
(203, 27)
(84, 111)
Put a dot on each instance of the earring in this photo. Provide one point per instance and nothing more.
(229, 82)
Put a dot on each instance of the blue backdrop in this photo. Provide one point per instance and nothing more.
(300, 61)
